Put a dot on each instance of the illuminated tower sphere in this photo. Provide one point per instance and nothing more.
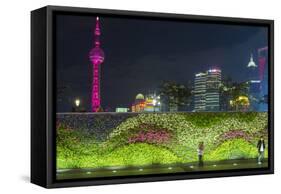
(96, 56)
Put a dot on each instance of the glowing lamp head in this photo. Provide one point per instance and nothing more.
(96, 55)
(77, 102)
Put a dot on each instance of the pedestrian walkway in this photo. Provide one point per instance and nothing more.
(159, 169)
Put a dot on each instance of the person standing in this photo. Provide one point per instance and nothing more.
(200, 152)
(261, 149)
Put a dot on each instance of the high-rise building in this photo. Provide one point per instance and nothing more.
(206, 90)
(263, 76)
(213, 82)
(254, 85)
(96, 56)
(200, 92)
(263, 63)
(252, 69)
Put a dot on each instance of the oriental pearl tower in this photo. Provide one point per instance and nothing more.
(96, 57)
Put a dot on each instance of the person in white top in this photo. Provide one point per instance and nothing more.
(261, 149)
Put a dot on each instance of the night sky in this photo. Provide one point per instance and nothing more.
(141, 53)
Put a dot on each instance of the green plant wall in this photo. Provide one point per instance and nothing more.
(163, 138)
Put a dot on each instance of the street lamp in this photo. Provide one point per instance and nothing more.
(159, 105)
(154, 104)
(77, 102)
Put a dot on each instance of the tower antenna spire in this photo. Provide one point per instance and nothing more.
(97, 32)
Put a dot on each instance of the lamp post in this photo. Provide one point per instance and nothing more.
(154, 104)
(77, 103)
(159, 103)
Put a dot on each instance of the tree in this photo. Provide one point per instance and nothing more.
(231, 91)
(240, 89)
(175, 95)
(241, 103)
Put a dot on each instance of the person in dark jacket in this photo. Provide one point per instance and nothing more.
(200, 152)
(261, 149)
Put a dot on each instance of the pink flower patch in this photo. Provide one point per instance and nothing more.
(151, 136)
(233, 134)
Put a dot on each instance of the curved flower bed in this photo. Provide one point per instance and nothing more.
(233, 149)
(188, 129)
(140, 154)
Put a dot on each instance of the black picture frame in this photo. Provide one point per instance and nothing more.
(43, 95)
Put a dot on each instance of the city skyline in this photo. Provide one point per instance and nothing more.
(145, 65)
